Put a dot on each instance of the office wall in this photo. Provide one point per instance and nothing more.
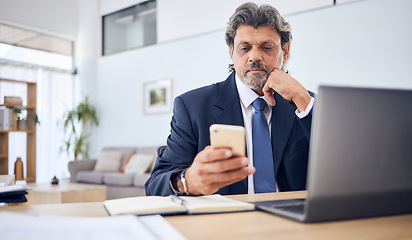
(87, 50)
(364, 43)
(57, 17)
(191, 50)
(359, 44)
(184, 18)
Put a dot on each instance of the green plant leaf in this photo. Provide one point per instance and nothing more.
(78, 121)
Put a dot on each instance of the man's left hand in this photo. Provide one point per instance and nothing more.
(288, 87)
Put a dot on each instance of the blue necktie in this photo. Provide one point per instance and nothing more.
(264, 177)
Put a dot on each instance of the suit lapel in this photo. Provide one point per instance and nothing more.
(227, 106)
(282, 121)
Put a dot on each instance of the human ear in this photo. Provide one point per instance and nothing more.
(286, 50)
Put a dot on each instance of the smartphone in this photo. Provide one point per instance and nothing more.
(230, 136)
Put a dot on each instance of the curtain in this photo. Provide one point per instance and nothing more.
(54, 97)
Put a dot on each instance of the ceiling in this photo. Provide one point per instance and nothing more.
(34, 40)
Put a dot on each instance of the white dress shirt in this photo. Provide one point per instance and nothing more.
(247, 96)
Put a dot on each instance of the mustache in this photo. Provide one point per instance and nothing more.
(254, 65)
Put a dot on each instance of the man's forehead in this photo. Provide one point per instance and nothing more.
(252, 42)
(251, 35)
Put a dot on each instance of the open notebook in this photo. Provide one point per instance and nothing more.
(169, 206)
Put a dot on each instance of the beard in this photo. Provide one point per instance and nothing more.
(255, 81)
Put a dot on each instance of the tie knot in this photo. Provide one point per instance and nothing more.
(259, 104)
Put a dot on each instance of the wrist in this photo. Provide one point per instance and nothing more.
(178, 182)
(302, 101)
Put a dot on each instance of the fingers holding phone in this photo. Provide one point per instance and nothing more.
(221, 164)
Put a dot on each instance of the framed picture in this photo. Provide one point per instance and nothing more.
(158, 96)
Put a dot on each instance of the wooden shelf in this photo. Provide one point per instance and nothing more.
(16, 81)
(15, 106)
(31, 133)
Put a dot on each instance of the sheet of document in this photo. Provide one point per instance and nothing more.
(6, 180)
(12, 188)
(126, 227)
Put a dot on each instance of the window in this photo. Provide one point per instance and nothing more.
(130, 28)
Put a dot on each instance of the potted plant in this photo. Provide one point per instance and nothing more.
(24, 117)
(76, 126)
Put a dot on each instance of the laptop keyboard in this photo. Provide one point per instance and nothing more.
(293, 205)
(295, 208)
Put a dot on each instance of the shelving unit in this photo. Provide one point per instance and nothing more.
(30, 131)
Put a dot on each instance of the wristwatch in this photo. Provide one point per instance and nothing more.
(181, 183)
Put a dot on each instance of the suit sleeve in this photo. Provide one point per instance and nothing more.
(180, 151)
(306, 122)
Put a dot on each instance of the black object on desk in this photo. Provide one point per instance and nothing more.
(14, 196)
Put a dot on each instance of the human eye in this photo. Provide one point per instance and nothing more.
(267, 48)
(244, 48)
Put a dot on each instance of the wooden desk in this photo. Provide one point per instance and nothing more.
(65, 192)
(252, 225)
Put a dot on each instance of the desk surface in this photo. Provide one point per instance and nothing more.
(251, 225)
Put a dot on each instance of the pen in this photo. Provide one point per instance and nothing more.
(177, 200)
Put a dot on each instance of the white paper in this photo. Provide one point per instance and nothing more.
(159, 227)
(16, 226)
(12, 188)
(6, 180)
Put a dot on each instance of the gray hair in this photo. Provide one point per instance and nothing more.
(256, 16)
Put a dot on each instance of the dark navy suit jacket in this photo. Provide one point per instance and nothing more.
(196, 110)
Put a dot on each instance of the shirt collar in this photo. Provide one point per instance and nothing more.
(246, 95)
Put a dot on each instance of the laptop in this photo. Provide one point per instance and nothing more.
(360, 159)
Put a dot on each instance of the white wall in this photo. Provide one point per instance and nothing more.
(87, 50)
(362, 44)
(191, 50)
(183, 18)
(365, 43)
(190, 63)
(57, 17)
(178, 19)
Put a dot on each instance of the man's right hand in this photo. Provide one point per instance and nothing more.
(213, 169)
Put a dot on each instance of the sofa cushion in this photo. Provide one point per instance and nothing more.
(140, 180)
(90, 177)
(77, 166)
(109, 160)
(124, 164)
(118, 179)
(127, 151)
(139, 163)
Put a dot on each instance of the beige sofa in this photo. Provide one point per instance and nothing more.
(106, 169)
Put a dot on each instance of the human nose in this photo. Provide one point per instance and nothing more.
(255, 55)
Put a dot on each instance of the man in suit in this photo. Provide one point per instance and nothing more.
(259, 41)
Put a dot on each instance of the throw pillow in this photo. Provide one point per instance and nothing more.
(109, 160)
(126, 162)
(139, 163)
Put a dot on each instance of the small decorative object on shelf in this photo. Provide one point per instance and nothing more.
(26, 119)
(6, 118)
(54, 180)
(11, 100)
(18, 169)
